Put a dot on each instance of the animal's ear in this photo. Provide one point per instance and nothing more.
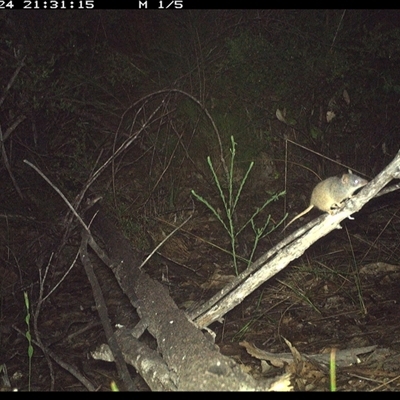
(345, 178)
(350, 171)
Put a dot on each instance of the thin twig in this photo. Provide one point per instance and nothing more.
(163, 241)
(103, 314)
(11, 81)
(59, 192)
(8, 166)
(337, 30)
(36, 314)
(72, 370)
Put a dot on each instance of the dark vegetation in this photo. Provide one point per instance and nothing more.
(304, 94)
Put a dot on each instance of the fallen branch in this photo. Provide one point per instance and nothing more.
(189, 361)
